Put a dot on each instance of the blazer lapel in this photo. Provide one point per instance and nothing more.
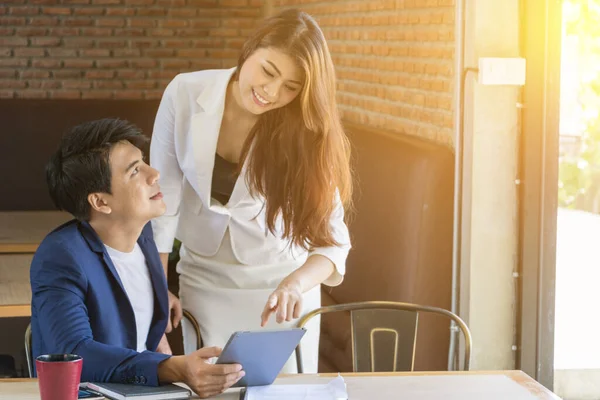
(204, 128)
(97, 246)
(159, 285)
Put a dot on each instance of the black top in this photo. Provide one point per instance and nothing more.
(223, 179)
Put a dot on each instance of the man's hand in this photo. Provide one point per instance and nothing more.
(285, 301)
(175, 312)
(195, 370)
(163, 346)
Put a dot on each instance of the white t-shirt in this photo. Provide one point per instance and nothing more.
(134, 274)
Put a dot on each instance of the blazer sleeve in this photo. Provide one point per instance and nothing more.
(337, 254)
(58, 300)
(163, 157)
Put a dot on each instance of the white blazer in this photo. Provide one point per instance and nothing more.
(183, 148)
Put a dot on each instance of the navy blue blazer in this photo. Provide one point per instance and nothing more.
(79, 306)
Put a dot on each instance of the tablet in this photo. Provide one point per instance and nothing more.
(262, 354)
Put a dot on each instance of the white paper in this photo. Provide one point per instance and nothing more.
(333, 390)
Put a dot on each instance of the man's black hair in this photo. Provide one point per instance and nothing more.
(81, 165)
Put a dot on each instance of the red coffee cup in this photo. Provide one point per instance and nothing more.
(59, 376)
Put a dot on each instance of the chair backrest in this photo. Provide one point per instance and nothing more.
(28, 350)
(188, 317)
(384, 334)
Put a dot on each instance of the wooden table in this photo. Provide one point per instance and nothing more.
(409, 386)
(20, 235)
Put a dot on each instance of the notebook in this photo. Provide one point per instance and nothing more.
(117, 391)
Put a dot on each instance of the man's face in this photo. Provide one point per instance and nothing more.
(135, 193)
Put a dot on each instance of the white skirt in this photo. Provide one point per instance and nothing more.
(226, 296)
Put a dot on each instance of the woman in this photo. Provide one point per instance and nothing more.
(255, 173)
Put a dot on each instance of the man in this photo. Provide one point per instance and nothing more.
(98, 285)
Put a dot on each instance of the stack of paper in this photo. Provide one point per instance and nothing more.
(334, 390)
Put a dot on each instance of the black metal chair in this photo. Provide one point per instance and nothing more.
(384, 334)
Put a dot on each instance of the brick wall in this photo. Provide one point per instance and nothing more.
(115, 49)
(394, 58)
(394, 61)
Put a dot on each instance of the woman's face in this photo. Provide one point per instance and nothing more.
(269, 79)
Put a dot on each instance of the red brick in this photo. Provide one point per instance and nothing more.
(65, 94)
(100, 32)
(106, 2)
(132, 53)
(209, 43)
(175, 64)
(146, 84)
(42, 21)
(182, 12)
(144, 43)
(78, 43)
(61, 52)
(143, 63)
(111, 22)
(27, 10)
(205, 23)
(63, 32)
(130, 74)
(233, 3)
(7, 94)
(111, 63)
(224, 32)
(33, 74)
(192, 53)
(151, 12)
(110, 44)
(7, 31)
(122, 12)
(109, 84)
(78, 2)
(78, 63)
(133, 32)
(78, 22)
(13, 41)
(100, 74)
(33, 85)
(176, 43)
(88, 11)
(173, 23)
(7, 52)
(13, 62)
(139, 2)
(46, 63)
(162, 32)
(203, 3)
(56, 11)
(223, 53)
(159, 53)
(192, 33)
(76, 84)
(67, 74)
(98, 95)
(45, 41)
(129, 94)
(171, 3)
(31, 94)
(161, 74)
(94, 53)
(8, 73)
(141, 23)
(29, 52)
(12, 84)
(17, 21)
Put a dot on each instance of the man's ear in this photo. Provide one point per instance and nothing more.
(98, 203)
